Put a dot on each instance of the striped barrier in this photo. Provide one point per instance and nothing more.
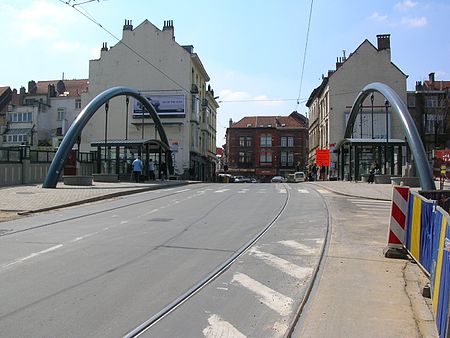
(399, 212)
(427, 239)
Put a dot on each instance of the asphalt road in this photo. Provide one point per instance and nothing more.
(100, 270)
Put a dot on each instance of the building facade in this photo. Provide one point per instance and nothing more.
(429, 106)
(330, 103)
(265, 146)
(41, 116)
(173, 78)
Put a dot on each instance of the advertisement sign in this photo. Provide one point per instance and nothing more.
(165, 106)
(322, 157)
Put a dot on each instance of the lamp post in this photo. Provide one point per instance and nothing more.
(143, 109)
(371, 100)
(106, 128)
(386, 104)
(127, 101)
(361, 120)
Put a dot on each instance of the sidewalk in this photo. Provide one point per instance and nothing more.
(359, 292)
(25, 199)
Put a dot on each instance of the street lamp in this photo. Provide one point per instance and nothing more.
(386, 104)
(127, 101)
(371, 100)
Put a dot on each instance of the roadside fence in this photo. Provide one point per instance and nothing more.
(427, 239)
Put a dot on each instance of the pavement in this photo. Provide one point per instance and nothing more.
(358, 292)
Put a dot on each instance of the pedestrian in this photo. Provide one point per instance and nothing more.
(374, 168)
(137, 169)
(151, 170)
(162, 171)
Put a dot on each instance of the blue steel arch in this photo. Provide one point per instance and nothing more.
(82, 119)
(412, 135)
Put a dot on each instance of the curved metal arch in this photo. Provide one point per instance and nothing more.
(82, 119)
(412, 135)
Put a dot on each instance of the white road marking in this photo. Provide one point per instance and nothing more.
(222, 190)
(269, 297)
(183, 190)
(221, 288)
(219, 328)
(279, 329)
(33, 255)
(282, 264)
(123, 222)
(299, 246)
(323, 191)
(303, 191)
(282, 190)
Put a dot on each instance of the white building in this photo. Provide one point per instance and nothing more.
(44, 113)
(172, 76)
(330, 103)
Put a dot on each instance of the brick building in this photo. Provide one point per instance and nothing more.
(265, 146)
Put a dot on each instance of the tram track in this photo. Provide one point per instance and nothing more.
(218, 271)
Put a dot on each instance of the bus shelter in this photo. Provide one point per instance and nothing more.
(357, 156)
(116, 156)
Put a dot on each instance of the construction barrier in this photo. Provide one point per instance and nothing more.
(399, 212)
(428, 242)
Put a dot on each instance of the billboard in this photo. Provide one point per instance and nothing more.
(323, 157)
(165, 106)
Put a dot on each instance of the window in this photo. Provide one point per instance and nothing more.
(266, 141)
(411, 101)
(431, 101)
(287, 158)
(245, 157)
(287, 141)
(265, 157)
(290, 140)
(77, 103)
(433, 123)
(20, 117)
(245, 141)
(61, 114)
(17, 138)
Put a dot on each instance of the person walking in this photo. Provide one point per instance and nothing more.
(151, 170)
(137, 169)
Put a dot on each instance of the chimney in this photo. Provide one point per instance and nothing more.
(104, 47)
(32, 87)
(128, 26)
(384, 41)
(338, 63)
(168, 26)
(230, 123)
(431, 78)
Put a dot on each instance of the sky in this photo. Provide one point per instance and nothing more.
(263, 57)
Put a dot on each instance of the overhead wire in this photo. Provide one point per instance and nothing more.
(304, 55)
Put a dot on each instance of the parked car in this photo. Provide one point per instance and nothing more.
(299, 176)
(238, 179)
(277, 179)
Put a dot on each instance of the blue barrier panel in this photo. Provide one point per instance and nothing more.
(409, 222)
(436, 242)
(444, 289)
(426, 234)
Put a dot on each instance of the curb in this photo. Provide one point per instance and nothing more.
(103, 197)
(349, 195)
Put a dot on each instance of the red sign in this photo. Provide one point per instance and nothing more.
(323, 157)
(443, 156)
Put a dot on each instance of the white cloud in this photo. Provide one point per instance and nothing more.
(415, 22)
(42, 20)
(378, 17)
(229, 95)
(405, 5)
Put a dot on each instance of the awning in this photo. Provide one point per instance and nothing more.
(18, 131)
(124, 143)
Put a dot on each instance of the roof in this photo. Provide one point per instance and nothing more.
(18, 131)
(436, 85)
(72, 87)
(268, 122)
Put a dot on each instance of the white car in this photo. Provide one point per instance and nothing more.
(277, 179)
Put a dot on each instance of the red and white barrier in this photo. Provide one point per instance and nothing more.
(399, 212)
